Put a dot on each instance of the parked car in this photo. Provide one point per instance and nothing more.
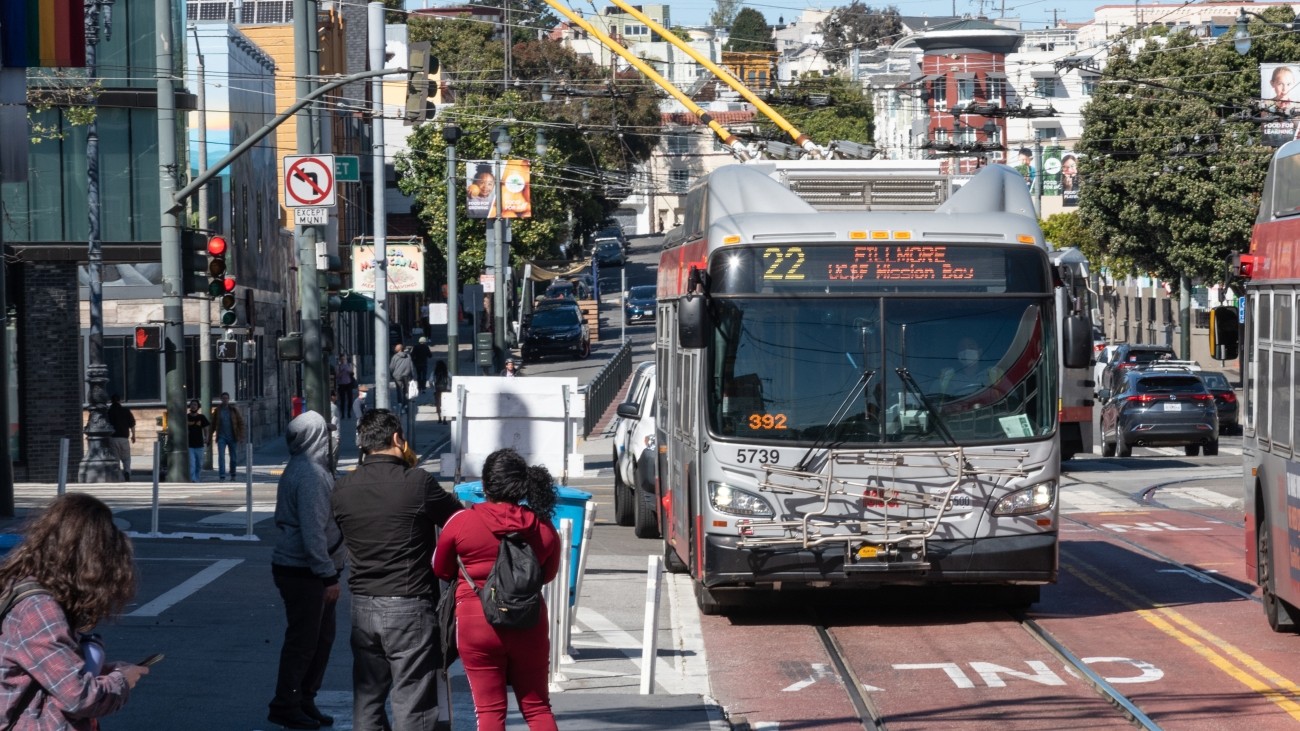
(609, 253)
(1130, 355)
(561, 289)
(556, 331)
(1159, 407)
(612, 231)
(634, 494)
(1225, 398)
(1104, 358)
(640, 303)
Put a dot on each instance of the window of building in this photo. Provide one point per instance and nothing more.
(1088, 84)
(678, 144)
(966, 136)
(679, 181)
(965, 91)
(941, 135)
(939, 92)
(1047, 133)
(995, 90)
(134, 374)
(1045, 87)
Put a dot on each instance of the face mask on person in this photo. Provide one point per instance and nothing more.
(968, 357)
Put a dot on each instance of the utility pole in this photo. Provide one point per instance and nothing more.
(1185, 317)
(98, 464)
(205, 303)
(375, 38)
(450, 134)
(308, 237)
(1038, 177)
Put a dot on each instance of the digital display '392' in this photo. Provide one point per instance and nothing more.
(766, 422)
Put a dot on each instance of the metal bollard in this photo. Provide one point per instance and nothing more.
(248, 485)
(650, 630)
(157, 469)
(63, 465)
(566, 570)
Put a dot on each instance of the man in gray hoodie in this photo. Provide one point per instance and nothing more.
(305, 564)
(401, 370)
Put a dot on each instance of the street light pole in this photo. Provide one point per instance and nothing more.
(450, 134)
(500, 153)
(98, 464)
(376, 42)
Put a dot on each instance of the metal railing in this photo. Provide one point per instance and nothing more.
(604, 388)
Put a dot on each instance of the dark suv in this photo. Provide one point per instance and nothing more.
(1158, 408)
(556, 331)
(1131, 355)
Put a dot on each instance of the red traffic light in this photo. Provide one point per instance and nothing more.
(228, 284)
(217, 246)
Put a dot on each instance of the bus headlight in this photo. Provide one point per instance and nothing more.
(1033, 499)
(728, 499)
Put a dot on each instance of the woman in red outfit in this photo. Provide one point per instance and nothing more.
(494, 658)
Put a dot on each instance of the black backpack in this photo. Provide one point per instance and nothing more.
(512, 594)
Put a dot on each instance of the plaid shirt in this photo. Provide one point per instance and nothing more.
(37, 646)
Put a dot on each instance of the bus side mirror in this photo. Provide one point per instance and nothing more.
(1225, 333)
(693, 323)
(1078, 342)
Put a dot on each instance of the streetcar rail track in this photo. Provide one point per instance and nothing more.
(1121, 702)
(867, 711)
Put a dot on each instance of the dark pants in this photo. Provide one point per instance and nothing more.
(422, 375)
(394, 651)
(346, 398)
(307, 640)
(403, 388)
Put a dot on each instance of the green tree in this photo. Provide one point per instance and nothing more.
(1172, 174)
(858, 26)
(825, 108)
(595, 130)
(1066, 230)
(724, 12)
(750, 32)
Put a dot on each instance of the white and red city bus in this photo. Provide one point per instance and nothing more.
(857, 398)
(1267, 336)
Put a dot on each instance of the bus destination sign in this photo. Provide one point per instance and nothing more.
(884, 267)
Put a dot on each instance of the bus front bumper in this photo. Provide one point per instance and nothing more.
(1020, 559)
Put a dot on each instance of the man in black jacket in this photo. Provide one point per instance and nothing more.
(389, 511)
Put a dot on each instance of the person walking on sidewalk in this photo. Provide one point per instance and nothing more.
(420, 357)
(305, 564)
(389, 513)
(441, 385)
(520, 499)
(123, 423)
(196, 425)
(82, 571)
(345, 378)
(228, 426)
(401, 370)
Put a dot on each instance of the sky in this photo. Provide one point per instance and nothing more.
(1034, 13)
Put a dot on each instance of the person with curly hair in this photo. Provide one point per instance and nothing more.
(520, 499)
(85, 568)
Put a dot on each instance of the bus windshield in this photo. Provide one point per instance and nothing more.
(979, 369)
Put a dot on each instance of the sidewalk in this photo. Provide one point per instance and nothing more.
(601, 691)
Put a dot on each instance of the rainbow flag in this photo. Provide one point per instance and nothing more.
(42, 33)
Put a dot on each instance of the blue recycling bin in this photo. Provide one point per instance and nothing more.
(8, 541)
(572, 504)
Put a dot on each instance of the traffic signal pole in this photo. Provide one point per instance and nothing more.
(308, 238)
(170, 244)
(375, 43)
(205, 304)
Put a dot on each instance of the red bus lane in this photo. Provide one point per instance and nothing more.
(1190, 653)
(952, 667)
(768, 672)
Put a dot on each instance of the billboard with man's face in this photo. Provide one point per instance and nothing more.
(1279, 88)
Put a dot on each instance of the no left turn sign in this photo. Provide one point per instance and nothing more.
(308, 181)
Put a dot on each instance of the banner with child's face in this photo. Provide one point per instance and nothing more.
(481, 188)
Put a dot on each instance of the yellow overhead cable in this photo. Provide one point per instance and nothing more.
(726, 77)
(727, 137)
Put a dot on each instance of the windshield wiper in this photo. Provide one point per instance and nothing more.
(910, 382)
(840, 412)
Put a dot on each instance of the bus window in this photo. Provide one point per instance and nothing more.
(1280, 421)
